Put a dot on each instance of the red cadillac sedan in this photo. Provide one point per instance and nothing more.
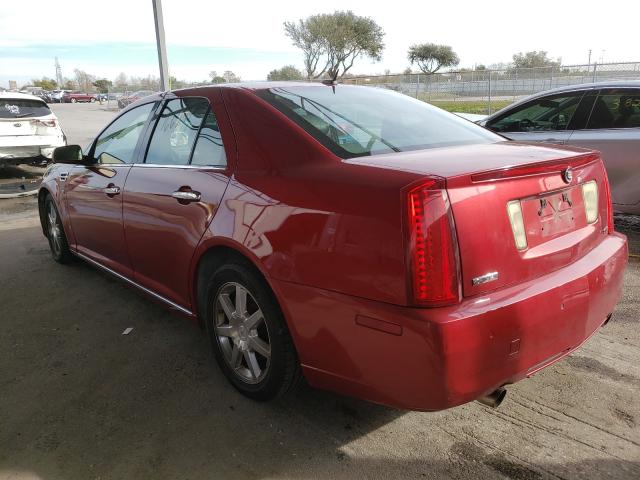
(376, 245)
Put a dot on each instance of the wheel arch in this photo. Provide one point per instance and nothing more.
(42, 195)
(213, 256)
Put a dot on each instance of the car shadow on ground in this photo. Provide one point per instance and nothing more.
(81, 400)
(95, 403)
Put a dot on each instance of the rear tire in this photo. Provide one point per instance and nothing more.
(55, 233)
(93, 100)
(248, 334)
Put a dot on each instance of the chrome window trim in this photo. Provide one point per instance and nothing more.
(189, 167)
(131, 282)
(606, 129)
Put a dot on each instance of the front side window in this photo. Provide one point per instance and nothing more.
(176, 131)
(616, 108)
(360, 121)
(118, 142)
(541, 115)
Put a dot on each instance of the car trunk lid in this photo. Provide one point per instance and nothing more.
(481, 182)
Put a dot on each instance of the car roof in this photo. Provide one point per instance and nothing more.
(258, 85)
(569, 88)
(254, 86)
(19, 96)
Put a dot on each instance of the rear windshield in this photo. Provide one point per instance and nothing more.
(360, 121)
(19, 108)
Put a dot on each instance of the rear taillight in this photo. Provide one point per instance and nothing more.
(432, 246)
(607, 197)
(590, 199)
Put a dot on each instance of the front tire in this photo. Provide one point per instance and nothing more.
(248, 333)
(55, 233)
(93, 100)
(73, 100)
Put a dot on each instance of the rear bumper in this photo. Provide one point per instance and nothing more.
(29, 146)
(432, 359)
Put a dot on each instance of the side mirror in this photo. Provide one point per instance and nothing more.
(68, 154)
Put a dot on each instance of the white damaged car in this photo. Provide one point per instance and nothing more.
(29, 130)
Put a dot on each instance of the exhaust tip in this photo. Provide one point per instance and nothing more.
(494, 399)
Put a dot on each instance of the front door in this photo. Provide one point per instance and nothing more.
(171, 198)
(546, 119)
(94, 193)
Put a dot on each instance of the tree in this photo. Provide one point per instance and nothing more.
(175, 83)
(335, 40)
(44, 83)
(215, 78)
(121, 81)
(68, 84)
(230, 77)
(84, 80)
(103, 85)
(431, 57)
(534, 59)
(306, 36)
(288, 72)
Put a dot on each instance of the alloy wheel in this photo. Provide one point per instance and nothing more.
(55, 235)
(242, 333)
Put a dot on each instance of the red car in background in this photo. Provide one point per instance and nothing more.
(133, 97)
(74, 97)
(377, 245)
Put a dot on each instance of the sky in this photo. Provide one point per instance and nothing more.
(247, 37)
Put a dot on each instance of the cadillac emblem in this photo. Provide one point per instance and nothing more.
(567, 175)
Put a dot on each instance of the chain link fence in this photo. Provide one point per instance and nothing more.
(485, 91)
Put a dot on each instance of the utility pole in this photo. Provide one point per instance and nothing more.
(58, 74)
(589, 56)
(162, 47)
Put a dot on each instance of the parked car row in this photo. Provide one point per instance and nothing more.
(372, 243)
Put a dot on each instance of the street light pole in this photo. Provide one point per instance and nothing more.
(162, 47)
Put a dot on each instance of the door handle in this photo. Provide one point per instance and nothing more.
(553, 140)
(111, 190)
(186, 195)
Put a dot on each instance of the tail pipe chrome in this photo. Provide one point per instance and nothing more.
(494, 399)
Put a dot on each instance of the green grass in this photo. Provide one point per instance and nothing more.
(480, 107)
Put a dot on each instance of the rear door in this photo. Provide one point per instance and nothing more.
(170, 199)
(94, 193)
(613, 128)
(546, 119)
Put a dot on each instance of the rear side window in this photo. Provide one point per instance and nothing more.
(22, 108)
(616, 108)
(176, 131)
(118, 142)
(360, 121)
(209, 149)
(553, 113)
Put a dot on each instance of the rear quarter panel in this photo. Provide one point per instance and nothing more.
(303, 215)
